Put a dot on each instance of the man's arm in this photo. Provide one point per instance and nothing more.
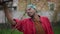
(7, 14)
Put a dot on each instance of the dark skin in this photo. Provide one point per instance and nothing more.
(30, 12)
(36, 19)
(7, 12)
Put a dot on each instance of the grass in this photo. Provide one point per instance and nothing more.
(57, 30)
(8, 31)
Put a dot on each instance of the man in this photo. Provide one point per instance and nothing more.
(34, 25)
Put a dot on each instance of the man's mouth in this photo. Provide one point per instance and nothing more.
(29, 13)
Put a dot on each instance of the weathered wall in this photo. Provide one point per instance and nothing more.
(21, 6)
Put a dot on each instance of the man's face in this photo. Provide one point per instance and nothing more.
(30, 12)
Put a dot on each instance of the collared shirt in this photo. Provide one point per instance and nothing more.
(27, 25)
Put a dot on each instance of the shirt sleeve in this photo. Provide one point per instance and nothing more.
(49, 27)
(18, 24)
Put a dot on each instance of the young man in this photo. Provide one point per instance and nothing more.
(34, 25)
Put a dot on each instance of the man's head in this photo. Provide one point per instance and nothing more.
(31, 10)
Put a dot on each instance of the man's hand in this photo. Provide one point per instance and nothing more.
(2, 3)
(7, 12)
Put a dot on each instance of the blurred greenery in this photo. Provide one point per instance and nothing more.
(6, 29)
(57, 29)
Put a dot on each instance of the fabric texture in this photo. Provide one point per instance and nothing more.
(27, 25)
(31, 6)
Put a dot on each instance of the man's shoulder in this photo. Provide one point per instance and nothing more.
(43, 17)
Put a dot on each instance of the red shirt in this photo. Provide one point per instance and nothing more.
(27, 25)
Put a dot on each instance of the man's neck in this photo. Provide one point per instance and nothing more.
(36, 17)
